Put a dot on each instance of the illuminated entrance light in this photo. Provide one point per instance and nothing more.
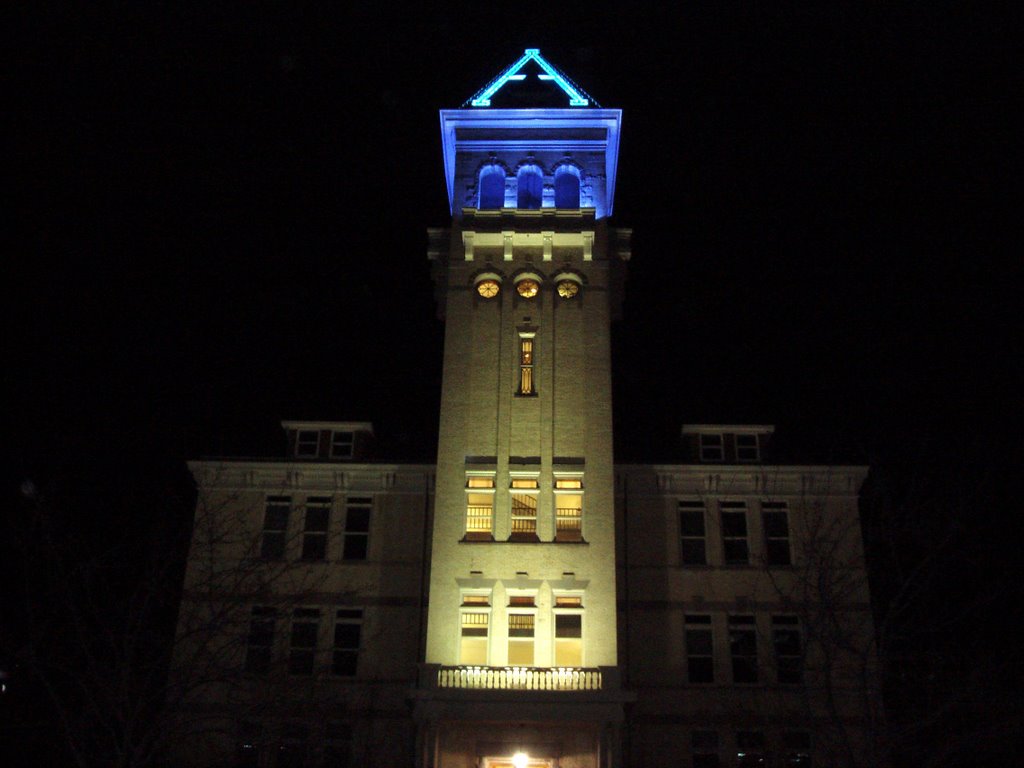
(520, 760)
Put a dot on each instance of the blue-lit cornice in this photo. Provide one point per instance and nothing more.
(477, 132)
(577, 98)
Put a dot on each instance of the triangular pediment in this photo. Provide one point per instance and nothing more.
(532, 82)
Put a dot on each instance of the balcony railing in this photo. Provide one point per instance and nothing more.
(520, 678)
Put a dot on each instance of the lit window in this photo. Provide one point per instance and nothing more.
(307, 443)
(520, 639)
(705, 749)
(568, 601)
(259, 650)
(473, 644)
(526, 384)
(342, 444)
(478, 599)
(747, 448)
(568, 289)
(521, 601)
(528, 288)
(692, 535)
(734, 533)
(348, 629)
(314, 536)
(479, 507)
(743, 648)
(492, 187)
(275, 527)
(775, 517)
(568, 508)
(788, 649)
(796, 749)
(750, 752)
(488, 288)
(529, 187)
(302, 651)
(712, 448)
(356, 537)
(568, 640)
(700, 659)
(567, 187)
(524, 507)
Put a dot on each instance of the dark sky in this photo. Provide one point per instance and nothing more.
(220, 222)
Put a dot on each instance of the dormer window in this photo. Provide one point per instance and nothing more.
(492, 187)
(567, 187)
(747, 448)
(712, 447)
(307, 444)
(529, 187)
(341, 444)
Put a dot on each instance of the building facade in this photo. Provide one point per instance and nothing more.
(524, 601)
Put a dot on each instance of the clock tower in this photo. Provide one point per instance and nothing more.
(521, 646)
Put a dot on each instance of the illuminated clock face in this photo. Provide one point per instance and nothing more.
(528, 288)
(568, 288)
(488, 288)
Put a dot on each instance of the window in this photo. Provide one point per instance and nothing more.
(796, 749)
(275, 527)
(259, 651)
(250, 741)
(705, 749)
(520, 639)
(342, 444)
(747, 448)
(357, 528)
(302, 653)
(307, 443)
(775, 516)
(473, 643)
(348, 627)
(567, 187)
(480, 507)
(524, 507)
(788, 649)
(526, 383)
(568, 640)
(743, 647)
(568, 508)
(750, 749)
(492, 187)
(529, 187)
(314, 536)
(692, 536)
(291, 753)
(712, 448)
(734, 532)
(700, 659)
(337, 745)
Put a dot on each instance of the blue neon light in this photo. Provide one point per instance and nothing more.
(576, 99)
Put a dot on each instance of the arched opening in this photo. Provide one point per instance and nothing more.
(492, 187)
(567, 187)
(529, 187)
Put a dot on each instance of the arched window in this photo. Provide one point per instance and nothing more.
(492, 187)
(567, 187)
(530, 187)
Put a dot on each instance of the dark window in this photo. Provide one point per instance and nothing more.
(705, 749)
(291, 752)
(734, 533)
(348, 628)
(305, 628)
(700, 657)
(338, 745)
(747, 448)
(259, 650)
(750, 749)
(567, 187)
(492, 187)
(250, 740)
(775, 517)
(796, 749)
(788, 649)
(357, 528)
(529, 187)
(314, 537)
(712, 448)
(275, 527)
(743, 647)
(307, 443)
(341, 445)
(692, 536)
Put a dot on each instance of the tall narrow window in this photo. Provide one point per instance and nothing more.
(292, 751)
(480, 507)
(568, 640)
(705, 749)
(529, 187)
(337, 744)
(259, 650)
(314, 536)
(520, 639)
(712, 447)
(524, 508)
(250, 745)
(473, 645)
(342, 443)
(357, 528)
(307, 443)
(567, 187)
(568, 508)
(302, 651)
(275, 527)
(492, 187)
(692, 535)
(526, 382)
(750, 751)
(348, 629)
(775, 516)
(700, 659)
(734, 533)
(743, 647)
(796, 749)
(788, 649)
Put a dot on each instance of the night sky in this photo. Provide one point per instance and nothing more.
(221, 220)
